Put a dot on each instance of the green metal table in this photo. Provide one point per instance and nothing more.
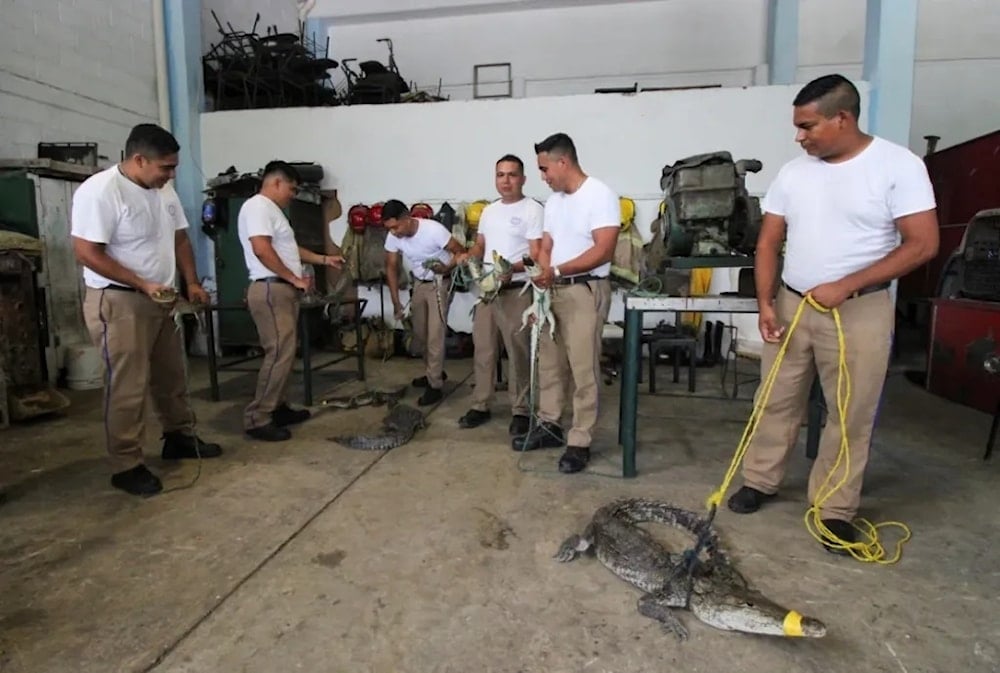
(635, 307)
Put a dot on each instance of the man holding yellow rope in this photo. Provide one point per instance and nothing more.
(842, 210)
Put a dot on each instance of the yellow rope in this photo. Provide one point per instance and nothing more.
(870, 551)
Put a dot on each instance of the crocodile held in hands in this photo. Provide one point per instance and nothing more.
(716, 593)
(398, 427)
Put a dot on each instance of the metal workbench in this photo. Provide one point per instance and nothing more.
(635, 307)
(305, 347)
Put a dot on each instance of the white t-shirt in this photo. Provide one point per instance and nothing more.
(570, 220)
(428, 242)
(507, 228)
(260, 216)
(840, 216)
(136, 225)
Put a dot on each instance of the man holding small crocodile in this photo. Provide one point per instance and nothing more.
(512, 228)
(582, 221)
(429, 250)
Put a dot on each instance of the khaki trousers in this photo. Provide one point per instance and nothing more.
(275, 311)
(141, 348)
(580, 311)
(492, 323)
(813, 347)
(428, 329)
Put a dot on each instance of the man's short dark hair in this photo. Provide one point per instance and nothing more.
(151, 141)
(282, 169)
(513, 159)
(558, 143)
(393, 208)
(833, 93)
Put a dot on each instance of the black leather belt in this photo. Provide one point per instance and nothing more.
(854, 295)
(513, 285)
(120, 288)
(271, 279)
(421, 280)
(580, 278)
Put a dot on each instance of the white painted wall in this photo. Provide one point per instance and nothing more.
(440, 152)
(74, 71)
(241, 14)
(557, 47)
(572, 50)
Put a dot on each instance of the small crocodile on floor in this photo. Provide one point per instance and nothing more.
(398, 427)
(716, 593)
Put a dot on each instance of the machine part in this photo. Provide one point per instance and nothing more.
(991, 365)
(84, 154)
(709, 211)
(979, 270)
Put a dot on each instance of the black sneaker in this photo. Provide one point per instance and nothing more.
(284, 416)
(269, 433)
(473, 418)
(137, 481)
(519, 426)
(545, 435)
(574, 459)
(430, 396)
(178, 445)
(843, 530)
(421, 381)
(748, 500)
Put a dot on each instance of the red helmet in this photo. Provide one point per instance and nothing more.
(421, 210)
(375, 215)
(357, 217)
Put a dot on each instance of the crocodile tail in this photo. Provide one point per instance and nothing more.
(369, 442)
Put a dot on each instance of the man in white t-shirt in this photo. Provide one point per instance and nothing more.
(841, 209)
(582, 222)
(429, 250)
(274, 261)
(129, 234)
(511, 226)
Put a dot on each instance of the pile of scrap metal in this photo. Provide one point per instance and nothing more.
(379, 84)
(246, 70)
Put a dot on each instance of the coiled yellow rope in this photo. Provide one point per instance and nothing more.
(869, 551)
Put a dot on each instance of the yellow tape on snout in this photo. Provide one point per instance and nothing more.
(792, 625)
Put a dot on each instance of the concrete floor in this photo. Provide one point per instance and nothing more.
(437, 556)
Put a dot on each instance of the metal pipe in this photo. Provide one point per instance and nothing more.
(160, 49)
(932, 142)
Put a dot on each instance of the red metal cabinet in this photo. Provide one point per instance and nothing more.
(963, 333)
(966, 179)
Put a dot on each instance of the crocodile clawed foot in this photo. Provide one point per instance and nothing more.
(571, 548)
(675, 628)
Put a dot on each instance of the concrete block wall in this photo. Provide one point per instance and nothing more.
(75, 71)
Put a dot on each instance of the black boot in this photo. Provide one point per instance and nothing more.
(708, 355)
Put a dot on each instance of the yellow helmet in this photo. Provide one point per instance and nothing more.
(474, 211)
(627, 207)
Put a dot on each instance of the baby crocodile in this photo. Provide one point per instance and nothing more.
(398, 427)
(716, 593)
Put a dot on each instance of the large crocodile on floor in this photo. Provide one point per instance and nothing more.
(715, 592)
(398, 427)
